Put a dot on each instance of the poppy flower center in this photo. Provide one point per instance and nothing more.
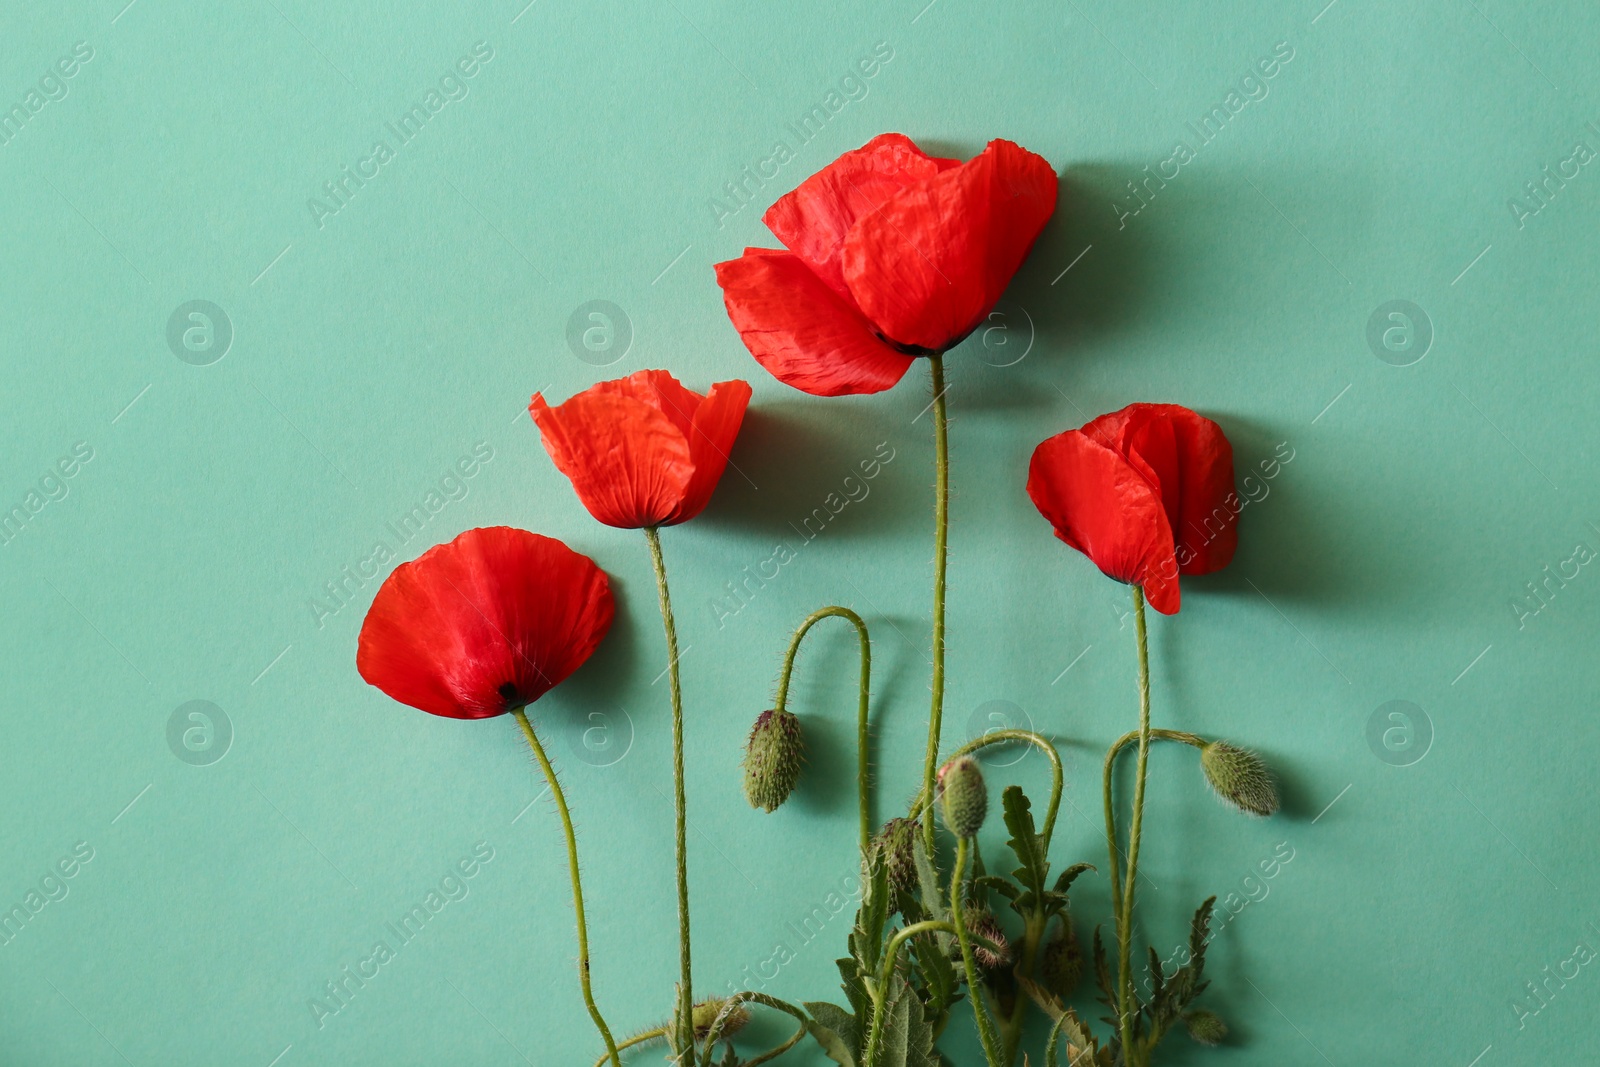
(905, 349)
(508, 691)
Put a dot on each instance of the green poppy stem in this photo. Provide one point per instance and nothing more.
(1124, 916)
(577, 883)
(941, 533)
(684, 1039)
(863, 734)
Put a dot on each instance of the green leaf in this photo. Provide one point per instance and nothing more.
(1102, 973)
(939, 977)
(836, 1030)
(1199, 929)
(1067, 877)
(1025, 842)
(1004, 886)
(855, 988)
(1082, 1049)
(896, 1040)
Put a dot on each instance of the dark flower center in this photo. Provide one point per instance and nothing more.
(508, 691)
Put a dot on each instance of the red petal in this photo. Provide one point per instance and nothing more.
(814, 219)
(1189, 458)
(1103, 507)
(660, 390)
(488, 622)
(802, 331)
(933, 261)
(716, 424)
(628, 461)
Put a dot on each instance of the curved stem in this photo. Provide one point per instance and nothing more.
(684, 1041)
(1125, 918)
(891, 958)
(1114, 851)
(924, 799)
(941, 531)
(863, 738)
(974, 989)
(729, 1006)
(637, 1039)
(577, 883)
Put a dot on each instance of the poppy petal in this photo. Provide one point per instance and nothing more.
(815, 218)
(807, 335)
(1106, 509)
(629, 463)
(489, 621)
(660, 390)
(716, 424)
(1188, 456)
(927, 266)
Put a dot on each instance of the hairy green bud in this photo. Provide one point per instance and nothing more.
(1061, 965)
(706, 1012)
(965, 797)
(1205, 1027)
(772, 759)
(897, 843)
(1239, 777)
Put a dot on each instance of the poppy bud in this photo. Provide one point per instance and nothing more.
(706, 1012)
(1239, 777)
(1062, 964)
(897, 844)
(772, 759)
(983, 924)
(965, 797)
(1205, 1027)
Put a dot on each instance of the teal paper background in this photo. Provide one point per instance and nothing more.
(371, 352)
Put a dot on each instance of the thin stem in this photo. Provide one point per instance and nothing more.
(986, 1032)
(1113, 849)
(637, 1039)
(891, 958)
(924, 799)
(1125, 919)
(941, 531)
(577, 883)
(729, 1006)
(685, 1023)
(863, 738)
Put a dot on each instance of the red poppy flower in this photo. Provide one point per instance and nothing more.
(1145, 492)
(892, 253)
(486, 623)
(643, 450)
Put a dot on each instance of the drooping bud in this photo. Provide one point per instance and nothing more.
(1205, 1027)
(706, 1012)
(965, 797)
(1061, 966)
(983, 924)
(772, 759)
(897, 843)
(1239, 777)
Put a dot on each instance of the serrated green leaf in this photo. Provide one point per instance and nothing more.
(939, 978)
(1065, 879)
(1102, 972)
(1004, 886)
(836, 1030)
(1199, 929)
(855, 989)
(894, 1044)
(1025, 841)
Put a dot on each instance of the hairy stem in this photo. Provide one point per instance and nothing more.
(684, 1041)
(986, 1034)
(863, 738)
(577, 883)
(1125, 1019)
(729, 1006)
(636, 1039)
(941, 532)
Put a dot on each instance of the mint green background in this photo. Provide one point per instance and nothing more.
(415, 323)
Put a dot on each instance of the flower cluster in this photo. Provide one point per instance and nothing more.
(891, 256)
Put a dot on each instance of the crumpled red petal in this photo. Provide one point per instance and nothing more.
(487, 622)
(1101, 505)
(814, 219)
(929, 264)
(802, 331)
(711, 434)
(627, 460)
(1190, 459)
